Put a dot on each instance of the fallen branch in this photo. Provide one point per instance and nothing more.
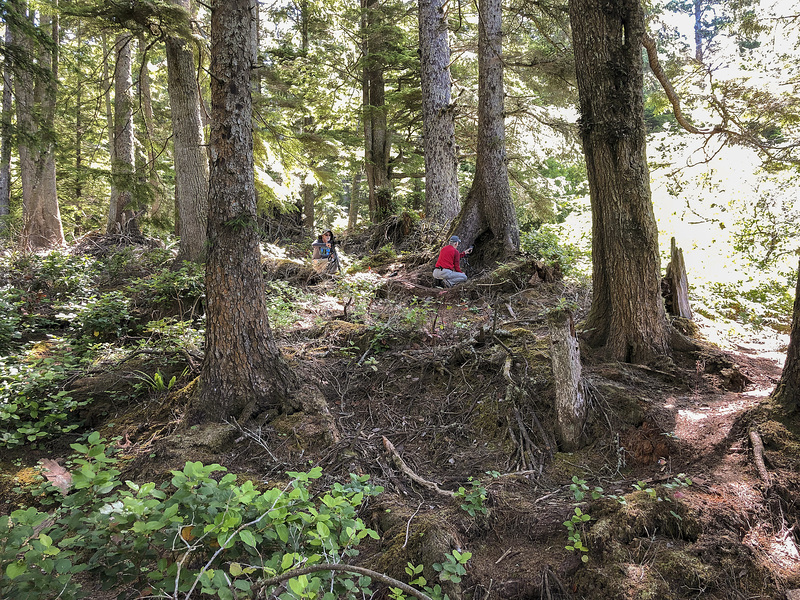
(267, 583)
(758, 456)
(404, 468)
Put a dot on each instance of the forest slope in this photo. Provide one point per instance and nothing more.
(440, 394)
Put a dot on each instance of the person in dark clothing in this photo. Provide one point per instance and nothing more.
(448, 265)
(323, 257)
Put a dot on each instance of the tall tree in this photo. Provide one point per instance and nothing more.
(5, 138)
(377, 136)
(35, 90)
(439, 134)
(191, 161)
(122, 216)
(243, 371)
(488, 217)
(627, 316)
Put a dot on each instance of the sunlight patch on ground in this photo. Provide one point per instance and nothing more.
(780, 548)
(690, 415)
(758, 393)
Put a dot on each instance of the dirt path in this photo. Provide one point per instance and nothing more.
(705, 419)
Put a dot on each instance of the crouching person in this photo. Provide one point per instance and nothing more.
(447, 271)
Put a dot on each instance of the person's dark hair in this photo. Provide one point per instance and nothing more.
(329, 232)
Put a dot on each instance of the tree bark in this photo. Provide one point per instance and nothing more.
(243, 372)
(36, 101)
(5, 140)
(571, 400)
(355, 197)
(377, 138)
(307, 193)
(488, 218)
(191, 159)
(438, 123)
(122, 217)
(787, 392)
(627, 317)
(155, 189)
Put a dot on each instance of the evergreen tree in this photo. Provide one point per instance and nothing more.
(242, 371)
(488, 218)
(439, 137)
(35, 86)
(627, 317)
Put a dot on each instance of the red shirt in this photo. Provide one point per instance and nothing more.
(450, 258)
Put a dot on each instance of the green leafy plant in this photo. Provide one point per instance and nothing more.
(10, 319)
(33, 405)
(473, 498)
(575, 533)
(579, 489)
(156, 382)
(104, 318)
(454, 566)
(31, 563)
(203, 534)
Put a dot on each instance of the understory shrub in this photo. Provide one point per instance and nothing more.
(198, 533)
(548, 244)
(33, 403)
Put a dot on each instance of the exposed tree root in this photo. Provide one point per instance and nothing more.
(406, 470)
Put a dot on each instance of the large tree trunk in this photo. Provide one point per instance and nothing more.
(355, 197)
(36, 100)
(5, 140)
(243, 372)
(191, 160)
(439, 134)
(787, 392)
(78, 122)
(122, 217)
(488, 218)
(377, 138)
(153, 182)
(627, 315)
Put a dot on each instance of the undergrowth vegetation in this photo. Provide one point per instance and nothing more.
(205, 531)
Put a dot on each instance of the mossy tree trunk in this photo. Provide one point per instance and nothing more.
(488, 218)
(438, 119)
(191, 159)
(35, 94)
(243, 372)
(627, 317)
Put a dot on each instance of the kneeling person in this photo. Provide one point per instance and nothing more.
(448, 265)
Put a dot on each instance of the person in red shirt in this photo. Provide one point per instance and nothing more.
(448, 265)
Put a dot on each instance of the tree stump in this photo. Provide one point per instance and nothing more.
(571, 399)
(676, 284)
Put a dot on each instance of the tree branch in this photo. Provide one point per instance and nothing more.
(266, 583)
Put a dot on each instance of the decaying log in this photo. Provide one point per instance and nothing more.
(758, 457)
(676, 284)
(571, 397)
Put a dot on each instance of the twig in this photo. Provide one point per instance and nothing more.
(253, 435)
(408, 525)
(266, 583)
(503, 556)
(404, 468)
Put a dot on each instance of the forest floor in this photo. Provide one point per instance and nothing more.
(430, 390)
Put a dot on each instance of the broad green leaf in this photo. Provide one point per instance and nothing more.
(15, 569)
(248, 538)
